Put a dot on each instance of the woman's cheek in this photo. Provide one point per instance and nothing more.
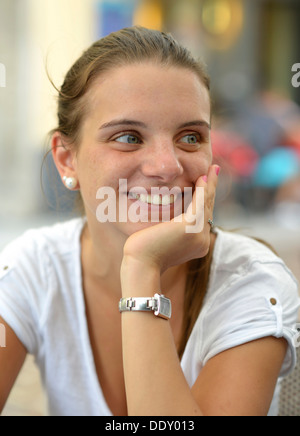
(198, 165)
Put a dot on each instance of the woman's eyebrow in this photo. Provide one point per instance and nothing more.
(123, 122)
(126, 122)
(196, 123)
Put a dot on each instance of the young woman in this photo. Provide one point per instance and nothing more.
(85, 296)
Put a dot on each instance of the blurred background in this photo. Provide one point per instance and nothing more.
(250, 47)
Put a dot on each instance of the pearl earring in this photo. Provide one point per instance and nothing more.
(70, 182)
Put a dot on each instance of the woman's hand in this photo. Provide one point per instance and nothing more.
(169, 244)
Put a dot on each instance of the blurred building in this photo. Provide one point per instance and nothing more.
(249, 46)
(34, 36)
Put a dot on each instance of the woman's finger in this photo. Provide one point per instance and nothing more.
(207, 184)
(201, 208)
(213, 178)
(196, 210)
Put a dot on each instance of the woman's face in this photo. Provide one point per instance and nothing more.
(147, 126)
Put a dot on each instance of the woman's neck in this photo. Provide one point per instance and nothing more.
(102, 255)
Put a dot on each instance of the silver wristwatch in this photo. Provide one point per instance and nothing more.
(159, 305)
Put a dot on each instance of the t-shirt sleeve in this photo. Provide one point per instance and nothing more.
(263, 302)
(20, 290)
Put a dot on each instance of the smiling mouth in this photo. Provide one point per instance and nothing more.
(157, 200)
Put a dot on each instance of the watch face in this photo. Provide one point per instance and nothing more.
(164, 309)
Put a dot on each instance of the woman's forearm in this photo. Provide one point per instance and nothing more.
(155, 383)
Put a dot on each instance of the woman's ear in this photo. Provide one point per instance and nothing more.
(64, 158)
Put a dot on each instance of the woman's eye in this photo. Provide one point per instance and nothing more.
(190, 139)
(128, 139)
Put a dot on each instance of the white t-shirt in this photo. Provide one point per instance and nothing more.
(41, 298)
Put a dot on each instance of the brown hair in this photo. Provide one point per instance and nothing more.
(126, 47)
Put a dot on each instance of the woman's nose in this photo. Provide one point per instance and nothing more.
(162, 163)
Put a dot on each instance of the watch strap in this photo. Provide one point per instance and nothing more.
(159, 305)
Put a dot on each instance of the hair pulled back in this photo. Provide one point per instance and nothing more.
(125, 47)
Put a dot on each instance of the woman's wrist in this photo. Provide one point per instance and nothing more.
(139, 279)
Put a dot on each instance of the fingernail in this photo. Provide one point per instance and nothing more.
(218, 169)
(205, 178)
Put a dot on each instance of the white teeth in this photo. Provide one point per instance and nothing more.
(164, 200)
(167, 200)
(156, 199)
(143, 198)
